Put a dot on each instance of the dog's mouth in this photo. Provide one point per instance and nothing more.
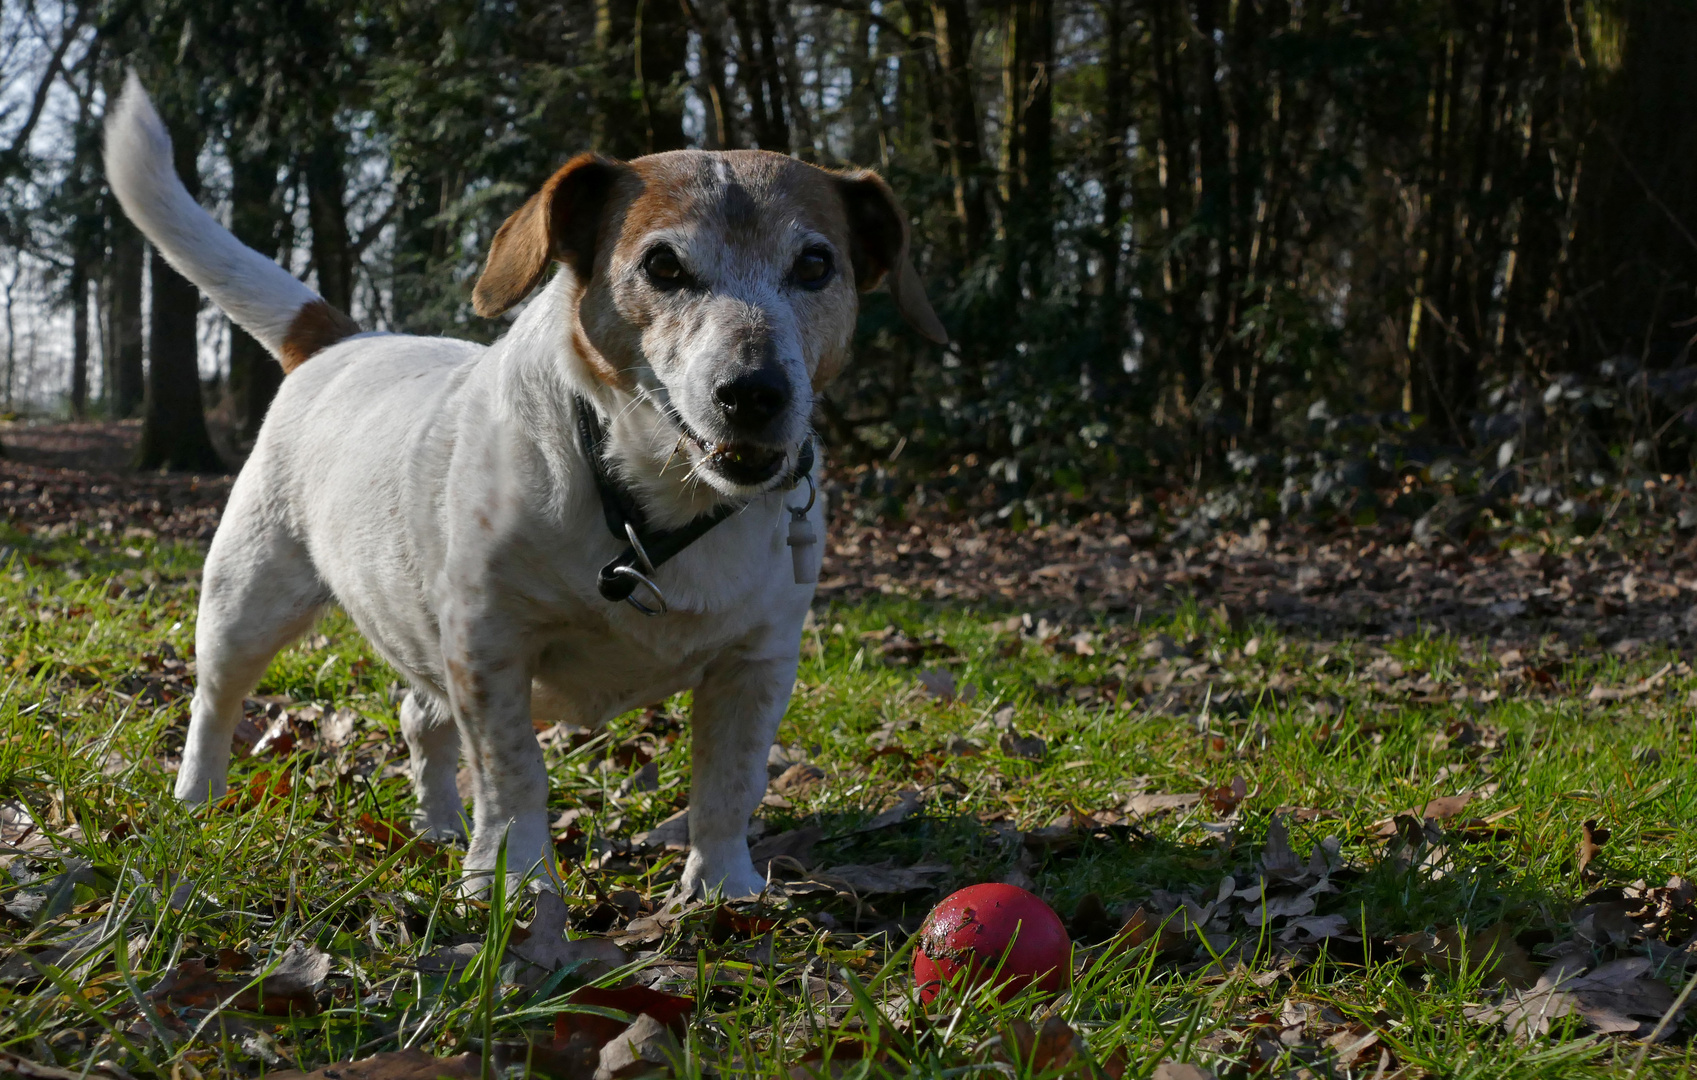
(746, 464)
(743, 464)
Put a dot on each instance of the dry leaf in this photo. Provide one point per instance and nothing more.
(1147, 805)
(1591, 841)
(1441, 809)
(1492, 950)
(1177, 1070)
(793, 845)
(906, 803)
(1047, 1051)
(1028, 747)
(1226, 798)
(669, 1009)
(798, 778)
(1614, 998)
(643, 1047)
(1622, 693)
(392, 1065)
(290, 989)
(881, 880)
(544, 943)
(670, 835)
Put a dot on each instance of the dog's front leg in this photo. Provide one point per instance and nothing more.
(488, 680)
(737, 709)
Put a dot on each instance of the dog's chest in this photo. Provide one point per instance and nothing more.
(591, 674)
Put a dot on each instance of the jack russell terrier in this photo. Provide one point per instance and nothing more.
(612, 503)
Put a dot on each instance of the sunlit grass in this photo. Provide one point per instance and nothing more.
(88, 741)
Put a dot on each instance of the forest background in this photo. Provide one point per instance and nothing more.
(1320, 257)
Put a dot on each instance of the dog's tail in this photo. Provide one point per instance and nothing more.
(289, 319)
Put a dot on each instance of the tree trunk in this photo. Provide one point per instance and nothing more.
(1636, 244)
(79, 337)
(326, 191)
(173, 432)
(255, 214)
(713, 86)
(1215, 212)
(772, 75)
(1116, 93)
(770, 131)
(805, 137)
(658, 68)
(125, 384)
(1036, 114)
(954, 60)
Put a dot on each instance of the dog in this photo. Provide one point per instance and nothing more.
(495, 519)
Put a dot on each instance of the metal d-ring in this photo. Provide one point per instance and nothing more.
(643, 580)
(812, 494)
(642, 556)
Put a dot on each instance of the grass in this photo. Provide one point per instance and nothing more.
(94, 706)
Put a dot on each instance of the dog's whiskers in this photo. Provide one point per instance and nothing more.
(679, 445)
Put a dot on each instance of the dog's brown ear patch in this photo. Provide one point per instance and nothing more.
(878, 245)
(315, 327)
(561, 222)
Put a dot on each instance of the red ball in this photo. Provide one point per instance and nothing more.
(992, 931)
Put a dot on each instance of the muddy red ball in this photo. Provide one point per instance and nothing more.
(992, 931)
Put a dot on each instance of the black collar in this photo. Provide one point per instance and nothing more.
(625, 519)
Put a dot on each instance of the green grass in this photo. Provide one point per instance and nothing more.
(93, 711)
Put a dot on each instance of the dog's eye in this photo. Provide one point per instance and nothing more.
(663, 268)
(813, 268)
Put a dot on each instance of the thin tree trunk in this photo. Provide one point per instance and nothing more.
(1036, 136)
(954, 57)
(1215, 210)
(1116, 92)
(255, 214)
(326, 192)
(125, 384)
(772, 75)
(79, 336)
(806, 138)
(173, 432)
(657, 67)
(708, 19)
(766, 112)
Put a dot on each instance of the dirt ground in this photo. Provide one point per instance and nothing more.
(1516, 586)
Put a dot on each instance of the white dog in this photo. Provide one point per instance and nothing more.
(461, 502)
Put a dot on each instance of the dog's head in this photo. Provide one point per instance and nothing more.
(719, 289)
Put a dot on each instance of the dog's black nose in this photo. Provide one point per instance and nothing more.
(754, 399)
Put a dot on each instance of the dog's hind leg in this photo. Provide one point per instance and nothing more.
(259, 591)
(434, 744)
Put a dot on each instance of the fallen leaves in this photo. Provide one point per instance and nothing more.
(392, 1065)
(1148, 805)
(1492, 952)
(393, 836)
(861, 880)
(1592, 837)
(1637, 689)
(288, 988)
(543, 943)
(1226, 798)
(1025, 747)
(1615, 998)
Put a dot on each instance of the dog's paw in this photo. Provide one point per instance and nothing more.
(453, 832)
(732, 882)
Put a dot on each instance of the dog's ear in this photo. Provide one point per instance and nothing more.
(559, 223)
(878, 245)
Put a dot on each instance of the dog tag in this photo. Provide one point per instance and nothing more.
(804, 548)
